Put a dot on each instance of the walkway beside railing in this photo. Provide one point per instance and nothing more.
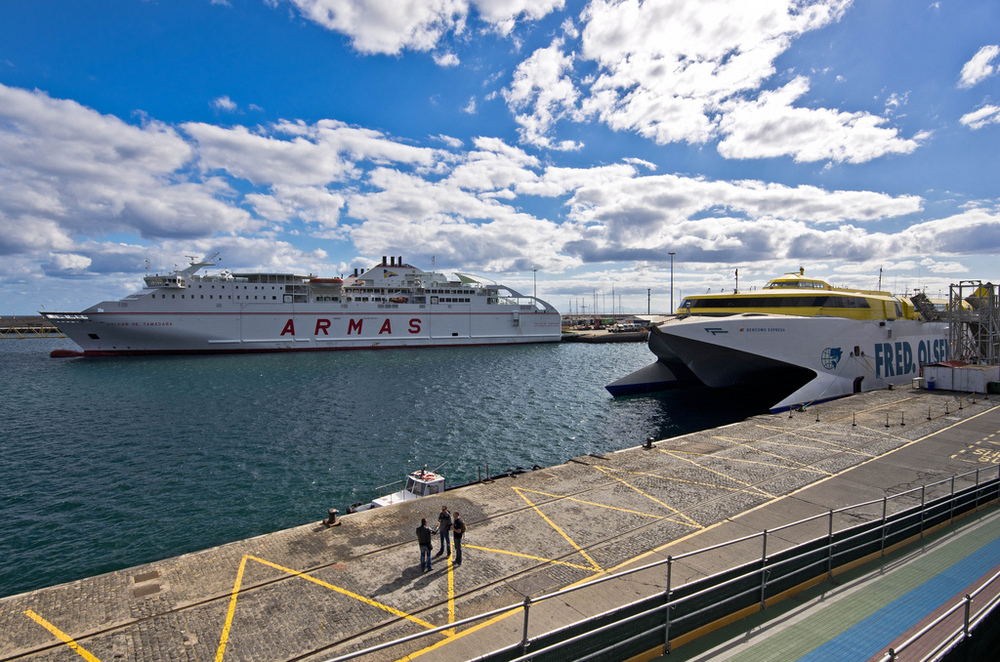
(682, 612)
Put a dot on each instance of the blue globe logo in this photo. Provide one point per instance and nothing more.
(831, 357)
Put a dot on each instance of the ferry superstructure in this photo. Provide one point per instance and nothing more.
(799, 337)
(392, 304)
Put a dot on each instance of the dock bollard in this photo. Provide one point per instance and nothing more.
(332, 520)
(649, 444)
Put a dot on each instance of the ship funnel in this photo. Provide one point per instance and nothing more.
(384, 263)
(392, 261)
(399, 261)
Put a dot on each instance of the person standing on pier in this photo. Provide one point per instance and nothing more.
(424, 539)
(459, 527)
(444, 526)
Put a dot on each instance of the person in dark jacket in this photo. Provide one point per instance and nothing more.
(458, 526)
(444, 526)
(424, 539)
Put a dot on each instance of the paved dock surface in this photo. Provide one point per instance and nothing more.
(313, 593)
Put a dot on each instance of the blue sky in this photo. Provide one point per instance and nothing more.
(584, 139)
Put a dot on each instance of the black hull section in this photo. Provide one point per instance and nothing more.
(749, 376)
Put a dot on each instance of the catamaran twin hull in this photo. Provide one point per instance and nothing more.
(802, 359)
(105, 331)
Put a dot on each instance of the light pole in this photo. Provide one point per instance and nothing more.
(672, 254)
(534, 283)
(648, 290)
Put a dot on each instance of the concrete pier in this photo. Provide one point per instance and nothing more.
(314, 593)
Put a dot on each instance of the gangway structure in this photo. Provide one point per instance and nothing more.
(974, 322)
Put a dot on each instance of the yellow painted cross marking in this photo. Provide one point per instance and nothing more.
(239, 579)
(591, 503)
(792, 464)
(719, 473)
(62, 636)
(841, 447)
(674, 479)
(558, 530)
(690, 522)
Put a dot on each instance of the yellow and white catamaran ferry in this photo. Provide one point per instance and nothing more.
(800, 337)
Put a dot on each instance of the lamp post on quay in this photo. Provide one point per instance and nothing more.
(672, 254)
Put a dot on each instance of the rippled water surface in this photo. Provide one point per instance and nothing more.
(108, 463)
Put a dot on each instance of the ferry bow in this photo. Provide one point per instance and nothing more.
(799, 338)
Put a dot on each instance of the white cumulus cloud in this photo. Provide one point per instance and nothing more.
(980, 67)
(977, 119)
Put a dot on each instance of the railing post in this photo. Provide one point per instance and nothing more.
(968, 612)
(763, 572)
(977, 489)
(666, 595)
(829, 549)
(885, 521)
(524, 637)
(952, 512)
(923, 508)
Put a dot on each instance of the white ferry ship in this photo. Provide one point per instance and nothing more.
(801, 338)
(392, 304)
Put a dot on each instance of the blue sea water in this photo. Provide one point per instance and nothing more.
(109, 463)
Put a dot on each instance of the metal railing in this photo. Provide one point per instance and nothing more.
(957, 634)
(654, 621)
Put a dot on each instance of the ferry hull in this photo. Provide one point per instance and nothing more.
(102, 331)
(807, 359)
(392, 304)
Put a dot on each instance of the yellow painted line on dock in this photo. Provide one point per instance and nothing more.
(558, 530)
(591, 503)
(690, 522)
(224, 639)
(350, 594)
(392, 610)
(451, 596)
(674, 479)
(62, 636)
(474, 628)
(792, 464)
(825, 442)
(718, 473)
(533, 558)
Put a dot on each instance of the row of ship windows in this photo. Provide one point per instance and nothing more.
(238, 287)
(274, 298)
(779, 302)
(210, 296)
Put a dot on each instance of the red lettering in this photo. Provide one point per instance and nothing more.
(386, 328)
(354, 325)
(289, 328)
(322, 325)
(415, 325)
